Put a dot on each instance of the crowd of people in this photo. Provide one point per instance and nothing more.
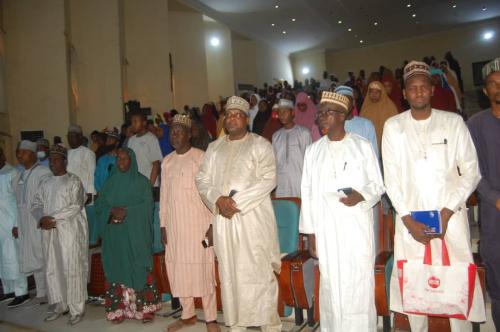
(209, 174)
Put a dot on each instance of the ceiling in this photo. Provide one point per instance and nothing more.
(317, 24)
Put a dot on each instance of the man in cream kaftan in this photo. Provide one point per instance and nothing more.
(343, 231)
(241, 172)
(59, 207)
(29, 234)
(429, 163)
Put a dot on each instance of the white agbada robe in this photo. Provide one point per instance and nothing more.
(420, 167)
(289, 147)
(344, 235)
(30, 236)
(247, 245)
(65, 247)
(81, 162)
(12, 278)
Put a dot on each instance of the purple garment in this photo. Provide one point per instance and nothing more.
(485, 131)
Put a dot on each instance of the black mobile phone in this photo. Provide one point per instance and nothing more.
(232, 193)
(346, 191)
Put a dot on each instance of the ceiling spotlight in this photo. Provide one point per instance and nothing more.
(361, 41)
(214, 41)
(272, 24)
(293, 19)
(488, 35)
(277, 6)
(339, 22)
(305, 70)
(454, 6)
(349, 29)
(408, 5)
(414, 15)
(283, 32)
(375, 23)
(484, 8)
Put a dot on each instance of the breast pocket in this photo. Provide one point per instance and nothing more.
(438, 155)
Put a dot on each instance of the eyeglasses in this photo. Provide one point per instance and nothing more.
(321, 114)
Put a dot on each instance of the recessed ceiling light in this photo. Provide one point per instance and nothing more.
(408, 5)
(484, 8)
(339, 22)
(375, 23)
(293, 19)
(454, 6)
(272, 24)
(277, 6)
(488, 35)
(414, 15)
(305, 70)
(283, 32)
(214, 41)
(349, 29)
(361, 41)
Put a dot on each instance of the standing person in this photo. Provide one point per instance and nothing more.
(185, 221)
(107, 162)
(485, 131)
(59, 208)
(124, 212)
(42, 151)
(200, 138)
(289, 145)
(81, 160)
(235, 180)
(272, 125)
(423, 150)
(442, 96)
(305, 111)
(14, 283)
(30, 237)
(378, 107)
(455, 66)
(357, 124)
(146, 148)
(254, 109)
(341, 225)
(261, 118)
(164, 140)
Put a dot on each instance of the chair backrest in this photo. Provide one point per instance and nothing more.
(287, 212)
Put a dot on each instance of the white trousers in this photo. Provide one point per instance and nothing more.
(419, 324)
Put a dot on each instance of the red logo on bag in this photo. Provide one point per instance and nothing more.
(434, 282)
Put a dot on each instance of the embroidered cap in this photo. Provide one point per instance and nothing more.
(335, 98)
(416, 68)
(238, 103)
(491, 67)
(183, 120)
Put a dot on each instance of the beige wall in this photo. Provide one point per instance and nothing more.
(36, 66)
(258, 63)
(146, 30)
(187, 45)
(466, 45)
(220, 74)
(313, 59)
(95, 63)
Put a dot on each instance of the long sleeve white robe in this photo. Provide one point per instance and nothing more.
(247, 245)
(344, 235)
(30, 236)
(81, 162)
(421, 173)
(65, 247)
(289, 147)
(9, 256)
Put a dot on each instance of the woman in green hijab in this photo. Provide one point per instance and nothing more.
(125, 217)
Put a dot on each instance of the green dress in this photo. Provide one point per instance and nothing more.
(127, 254)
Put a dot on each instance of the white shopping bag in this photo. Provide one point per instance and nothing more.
(443, 290)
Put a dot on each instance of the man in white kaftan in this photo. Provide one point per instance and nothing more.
(14, 283)
(235, 180)
(29, 234)
(59, 207)
(342, 223)
(81, 161)
(430, 163)
(289, 145)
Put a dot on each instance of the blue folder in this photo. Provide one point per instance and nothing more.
(431, 219)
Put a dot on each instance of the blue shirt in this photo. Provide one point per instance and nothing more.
(165, 146)
(102, 170)
(364, 128)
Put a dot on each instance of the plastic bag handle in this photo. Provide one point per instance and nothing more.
(445, 257)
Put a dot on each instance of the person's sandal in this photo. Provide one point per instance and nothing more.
(148, 318)
(180, 324)
(213, 326)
